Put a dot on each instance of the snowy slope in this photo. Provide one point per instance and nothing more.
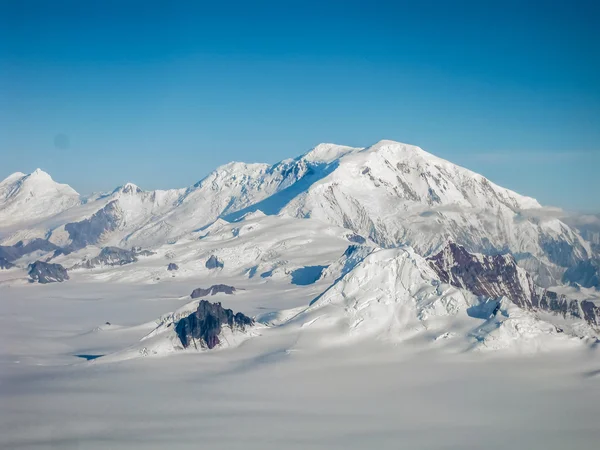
(391, 193)
(30, 198)
(394, 295)
(399, 194)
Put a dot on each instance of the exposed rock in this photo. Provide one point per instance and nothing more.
(214, 263)
(585, 273)
(44, 272)
(204, 326)
(489, 276)
(138, 251)
(498, 276)
(5, 264)
(89, 231)
(13, 252)
(172, 266)
(115, 256)
(214, 289)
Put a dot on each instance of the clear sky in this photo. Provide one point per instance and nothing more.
(160, 93)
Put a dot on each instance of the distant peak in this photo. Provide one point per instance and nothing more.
(39, 173)
(235, 169)
(128, 188)
(13, 177)
(386, 143)
(327, 152)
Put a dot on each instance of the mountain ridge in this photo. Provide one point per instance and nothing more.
(390, 192)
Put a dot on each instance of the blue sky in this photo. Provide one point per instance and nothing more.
(160, 93)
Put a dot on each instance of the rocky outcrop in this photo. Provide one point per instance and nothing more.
(203, 327)
(5, 264)
(115, 256)
(585, 273)
(214, 263)
(43, 272)
(172, 266)
(13, 252)
(499, 276)
(214, 289)
(488, 276)
(567, 307)
(89, 231)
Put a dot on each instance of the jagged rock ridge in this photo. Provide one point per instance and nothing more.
(498, 276)
(5, 264)
(203, 327)
(44, 272)
(115, 256)
(214, 289)
(14, 252)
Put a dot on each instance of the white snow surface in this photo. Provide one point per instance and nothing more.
(385, 356)
(29, 198)
(355, 345)
(392, 193)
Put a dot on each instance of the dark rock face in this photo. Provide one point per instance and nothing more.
(44, 272)
(585, 273)
(497, 276)
(214, 263)
(559, 252)
(89, 231)
(214, 289)
(489, 276)
(204, 326)
(115, 256)
(5, 264)
(172, 266)
(591, 312)
(13, 252)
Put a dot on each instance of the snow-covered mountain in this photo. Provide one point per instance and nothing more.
(30, 198)
(391, 193)
(399, 194)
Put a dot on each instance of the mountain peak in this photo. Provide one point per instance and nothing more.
(12, 178)
(128, 188)
(39, 174)
(396, 147)
(327, 152)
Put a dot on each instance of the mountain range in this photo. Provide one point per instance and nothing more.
(390, 193)
(401, 243)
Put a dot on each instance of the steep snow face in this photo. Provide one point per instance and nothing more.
(388, 295)
(237, 189)
(399, 194)
(392, 193)
(30, 198)
(395, 295)
(111, 219)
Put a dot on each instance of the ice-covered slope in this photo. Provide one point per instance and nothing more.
(235, 189)
(393, 193)
(130, 216)
(29, 198)
(114, 217)
(399, 194)
(395, 295)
